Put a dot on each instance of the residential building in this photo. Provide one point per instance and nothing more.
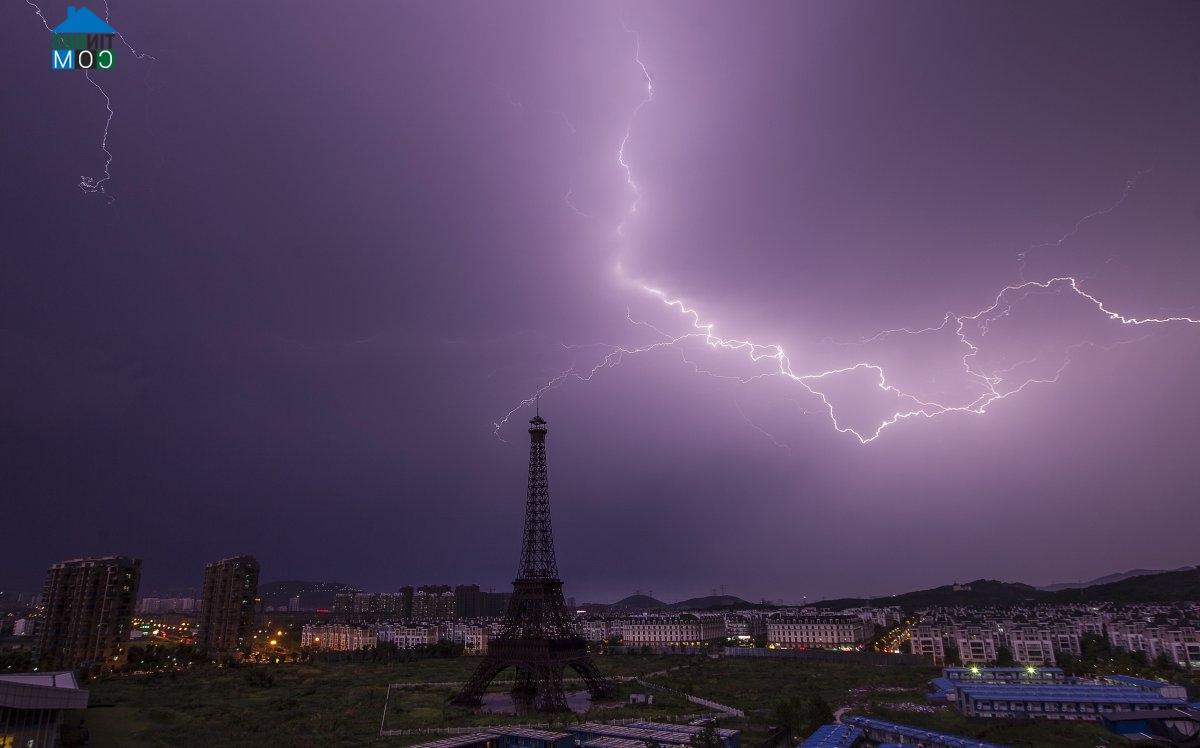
(87, 605)
(227, 606)
(744, 628)
(689, 629)
(155, 605)
(976, 644)
(928, 641)
(493, 604)
(433, 603)
(1031, 645)
(409, 637)
(595, 629)
(815, 632)
(336, 637)
(467, 601)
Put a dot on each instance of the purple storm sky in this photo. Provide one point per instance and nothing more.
(341, 240)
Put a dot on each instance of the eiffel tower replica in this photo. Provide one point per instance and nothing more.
(539, 639)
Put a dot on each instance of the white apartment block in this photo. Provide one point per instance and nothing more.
(976, 645)
(1031, 645)
(930, 641)
(337, 637)
(804, 632)
(408, 637)
(473, 636)
(1180, 643)
(594, 630)
(685, 629)
(744, 627)
(476, 639)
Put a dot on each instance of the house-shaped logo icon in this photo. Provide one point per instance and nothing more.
(84, 41)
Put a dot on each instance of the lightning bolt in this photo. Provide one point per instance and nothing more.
(994, 385)
(96, 185)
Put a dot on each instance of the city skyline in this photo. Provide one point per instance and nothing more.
(303, 318)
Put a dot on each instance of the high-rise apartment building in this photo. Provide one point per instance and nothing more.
(467, 598)
(227, 606)
(87, 604)
(433, 602)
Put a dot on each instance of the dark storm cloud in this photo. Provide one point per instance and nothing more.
(340, 250)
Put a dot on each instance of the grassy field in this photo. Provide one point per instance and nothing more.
(757, 684)
(328, 704)
(341, 704)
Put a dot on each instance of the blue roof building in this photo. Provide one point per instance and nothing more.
(834, 736)
(882, 731)
(1160, 687)
(663, 733)
(83, 21)
(1179, 727)
(1074, 701)
(1027, 674)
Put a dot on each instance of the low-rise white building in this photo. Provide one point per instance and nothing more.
(683, 629)
(806, 632)
(976, 645)
(409, 637)
(337, 637)
(928, 640)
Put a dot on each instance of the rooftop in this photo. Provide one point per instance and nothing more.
(54, 690)
(1138, 682)
(925, 736)
(457, 741)
(1054, 692)
(833, 736)
(525, 732)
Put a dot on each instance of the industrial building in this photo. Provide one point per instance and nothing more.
(834, 736)
(32, 707)
(880, 731)
(506, 737)
(663, 733)
(1005, 674)
(1057, 701)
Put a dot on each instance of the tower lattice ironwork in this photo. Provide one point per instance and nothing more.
(539, 639)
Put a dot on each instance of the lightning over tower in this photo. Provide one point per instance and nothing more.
(967, 330)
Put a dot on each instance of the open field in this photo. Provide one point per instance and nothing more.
(328, 704)
(341, 704)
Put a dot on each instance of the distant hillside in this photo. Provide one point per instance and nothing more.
(312, 594)
(710, 601)
(1109, 578)
(639, 602)
(981, 593)
(1167, 586)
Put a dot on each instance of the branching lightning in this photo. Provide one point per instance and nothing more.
(96, 185)
(969, 329)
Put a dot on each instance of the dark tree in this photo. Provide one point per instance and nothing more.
(708, 737)
(952, 656)
(1004, 656)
